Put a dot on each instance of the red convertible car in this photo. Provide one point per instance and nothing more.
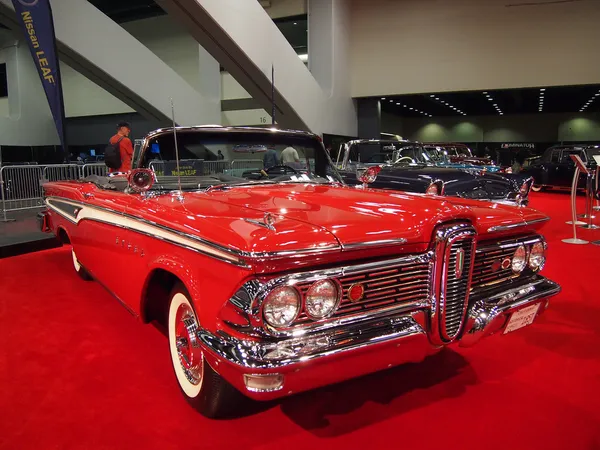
(269, 287)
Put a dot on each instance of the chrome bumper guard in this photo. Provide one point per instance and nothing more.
(485, 316)
(489, 314)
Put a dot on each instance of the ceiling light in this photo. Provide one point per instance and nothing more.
(382, 98)
(432, 95)
(410, 109)
(397, 103)
(295, 23)
(542, 89)
(485, 92)
(303, 57)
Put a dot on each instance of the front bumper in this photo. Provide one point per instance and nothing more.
(314, 360)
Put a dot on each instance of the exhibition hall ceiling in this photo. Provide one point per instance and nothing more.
(540, 100)
(295, 29)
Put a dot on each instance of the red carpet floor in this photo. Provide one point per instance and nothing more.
(78, 371)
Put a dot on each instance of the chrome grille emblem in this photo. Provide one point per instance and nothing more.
(460, 263)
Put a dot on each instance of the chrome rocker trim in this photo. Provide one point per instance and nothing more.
(484, 317)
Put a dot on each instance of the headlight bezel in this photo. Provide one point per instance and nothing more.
(338, 298)
(540, 266)
(525, 259)
(266, 303)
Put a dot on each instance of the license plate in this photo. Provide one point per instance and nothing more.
(521, 318)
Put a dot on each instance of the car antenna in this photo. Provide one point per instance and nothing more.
(272, 94)
(176, 149)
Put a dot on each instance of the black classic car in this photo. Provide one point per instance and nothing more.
(555, 168)
(411, 168)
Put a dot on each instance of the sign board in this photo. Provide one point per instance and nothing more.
(577, 160)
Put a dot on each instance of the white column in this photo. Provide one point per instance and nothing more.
(244, 39)
(329, 54)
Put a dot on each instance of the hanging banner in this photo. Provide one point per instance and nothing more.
(35, 17)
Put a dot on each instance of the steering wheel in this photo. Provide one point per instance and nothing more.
(406, 158)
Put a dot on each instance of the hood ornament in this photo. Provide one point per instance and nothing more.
(267, 222)
(368, 176)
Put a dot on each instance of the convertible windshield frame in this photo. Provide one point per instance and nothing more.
(316, 159)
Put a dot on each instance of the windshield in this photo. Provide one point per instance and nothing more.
(382, 152)
(208, 158)
(437, 154)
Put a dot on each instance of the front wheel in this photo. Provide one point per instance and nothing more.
(201, 386)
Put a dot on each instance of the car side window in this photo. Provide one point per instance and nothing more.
(555, 157)
(566, 156)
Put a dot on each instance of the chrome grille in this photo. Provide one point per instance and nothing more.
(455, 294)
(487, 270)
(385, 286)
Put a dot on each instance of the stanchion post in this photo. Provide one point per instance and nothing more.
(579, 167)
(597, 184)
(589, 203)
(4, 219)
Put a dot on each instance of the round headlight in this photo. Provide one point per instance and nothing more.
(321, 299)
(433, 189)
(519, 259)
(281, 307)
(537, 257)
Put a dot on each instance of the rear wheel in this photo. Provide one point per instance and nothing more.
(83, 274)
(201, 386)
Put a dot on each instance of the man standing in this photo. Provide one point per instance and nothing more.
(289, 155)
(120, 151)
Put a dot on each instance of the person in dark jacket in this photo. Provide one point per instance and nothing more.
(270, 159)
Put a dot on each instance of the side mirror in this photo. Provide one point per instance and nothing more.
(140, 180)
(366, 176)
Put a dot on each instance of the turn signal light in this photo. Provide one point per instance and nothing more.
(263, 382)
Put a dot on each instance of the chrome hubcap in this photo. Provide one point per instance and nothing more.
(188, 348)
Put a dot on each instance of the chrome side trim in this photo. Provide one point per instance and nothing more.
(516, 225)
(233, 255)
(136, 224)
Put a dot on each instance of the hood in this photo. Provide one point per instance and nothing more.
(311, 218)
(355, 216)
(352, 215)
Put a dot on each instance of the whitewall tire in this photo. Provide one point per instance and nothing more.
(536, 188)
(201, 386)
(83, 274)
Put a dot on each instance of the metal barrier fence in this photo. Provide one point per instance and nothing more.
(21, 186)
(244, 165)
(58, 172)
(99, 169)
